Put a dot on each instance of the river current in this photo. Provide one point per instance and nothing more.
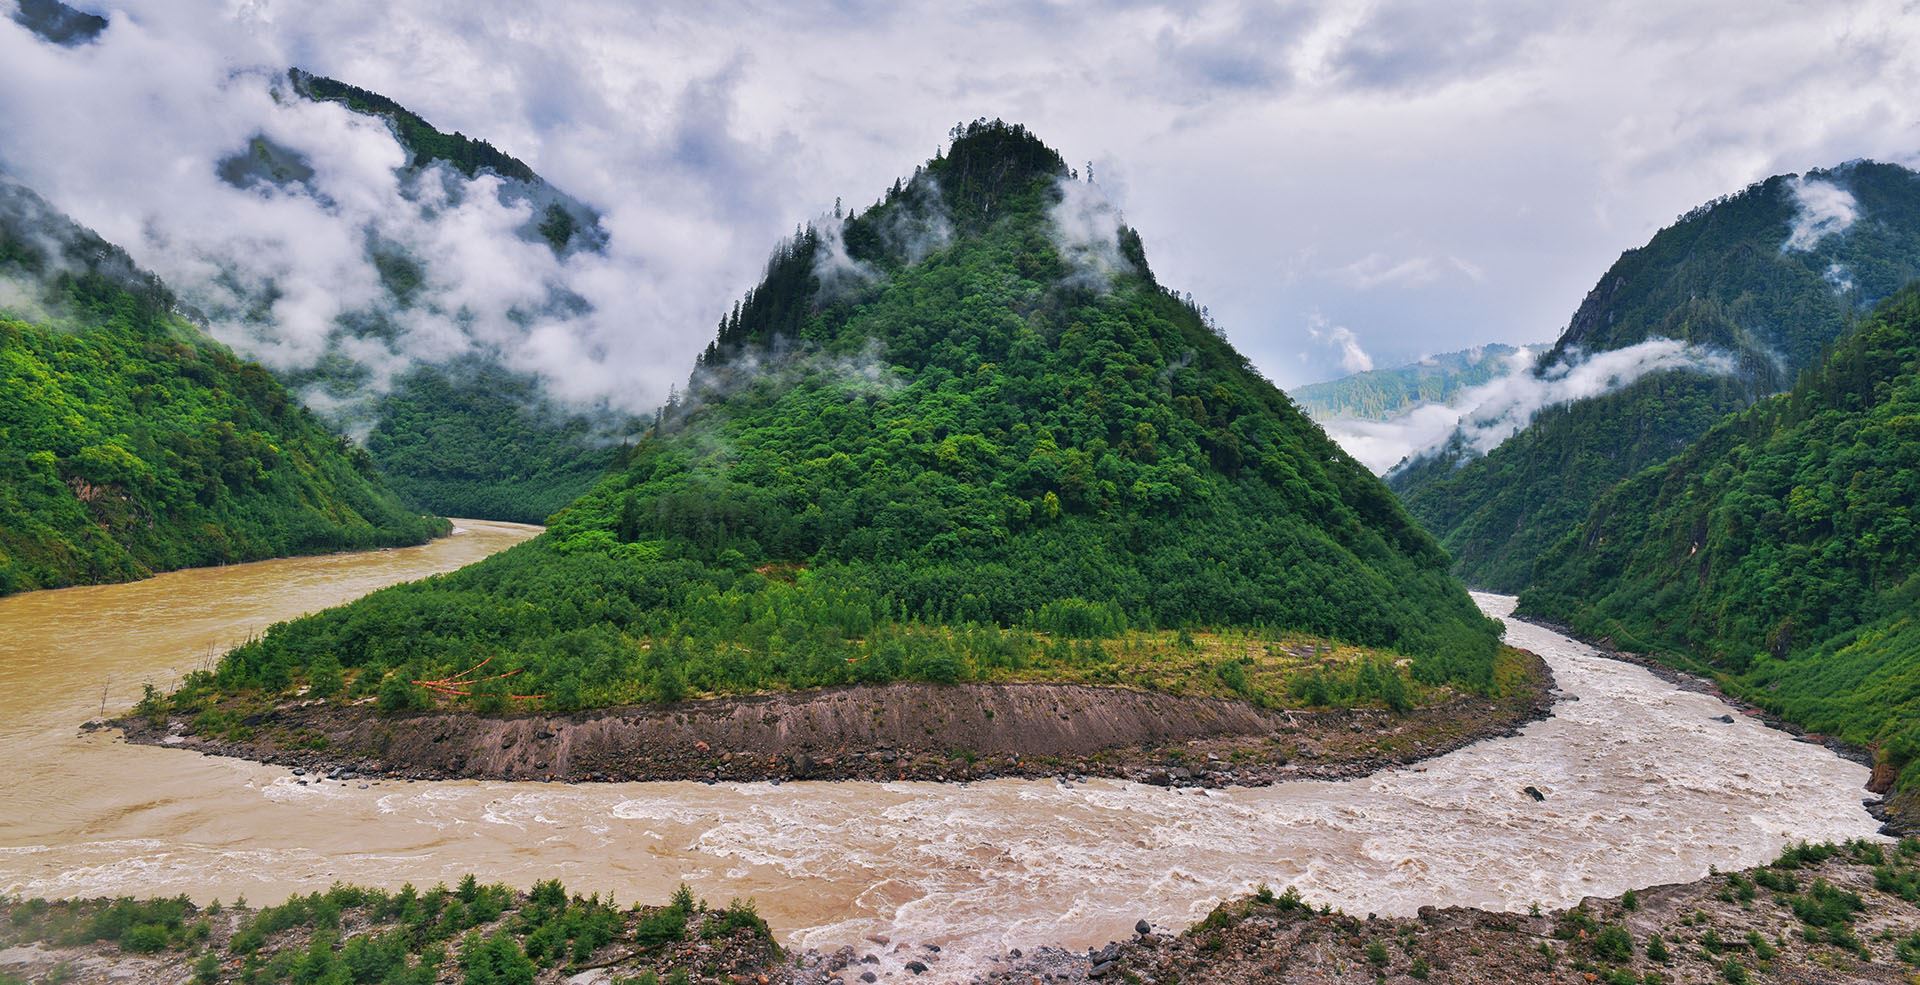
(1643, 785)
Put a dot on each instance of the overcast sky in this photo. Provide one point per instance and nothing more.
(1342, 184)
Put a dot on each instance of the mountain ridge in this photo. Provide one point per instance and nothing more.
(1730, 276)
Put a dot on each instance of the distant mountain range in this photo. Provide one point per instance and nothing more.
(1383, 394)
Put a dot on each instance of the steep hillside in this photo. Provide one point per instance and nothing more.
(131, 443)
(1780, 549)
(1382, 394)
(472, 438)
(943, 440)
(1766, 277)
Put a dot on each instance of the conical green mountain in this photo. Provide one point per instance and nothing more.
(131, 443)
(1781, 548)
(970, 406)
(1767, 277)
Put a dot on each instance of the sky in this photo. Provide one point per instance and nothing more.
(1343, 185)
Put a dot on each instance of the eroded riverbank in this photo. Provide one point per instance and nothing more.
(899, 732)
(1643, 785)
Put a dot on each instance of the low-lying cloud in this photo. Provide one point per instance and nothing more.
(1822, 209)
(1085, 226)
(1353, 358)
(1485, 415)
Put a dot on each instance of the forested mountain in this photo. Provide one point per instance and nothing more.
(131, 443)
(1383, 394)
(1766, 277)
(466, 437)
(966, 411)
(1781, 548)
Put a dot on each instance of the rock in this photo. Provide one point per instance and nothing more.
(916, 967)
(1015, 954)
(1725, 719)
(1143, 928)
(868, 976)
(1101, 970)
(1884, 775)
(1535, 793)
(935, 948)
(1159, 778)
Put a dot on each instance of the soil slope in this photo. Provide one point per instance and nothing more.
(884, 732)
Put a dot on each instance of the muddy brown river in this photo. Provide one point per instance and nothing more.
(1642, 784)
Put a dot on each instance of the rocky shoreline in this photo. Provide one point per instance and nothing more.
(1825, 914)
(1899, 814)
(948, 733)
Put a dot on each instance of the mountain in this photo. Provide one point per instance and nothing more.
(57, 23)
(1383, 394)
(131, 443)
(464, 436)
(1756, 283)
(1780, 549)
(961, 417)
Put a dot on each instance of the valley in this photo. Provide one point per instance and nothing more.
(1643, 784)
(402, 584)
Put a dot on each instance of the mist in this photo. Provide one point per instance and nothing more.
(1485, 415)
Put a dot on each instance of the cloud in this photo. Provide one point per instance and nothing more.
(1485, 415)
(1380, 270)
(1085, 226)
(1822, 209)
(1353, 358)
(704, 133)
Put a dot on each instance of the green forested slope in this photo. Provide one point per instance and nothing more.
(475, 440)
(1721, 278)
(1380, 394)
(1781, 549)
(466, 437)
(131, 443)
(960, 421)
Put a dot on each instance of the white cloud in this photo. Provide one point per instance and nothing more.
(1490, 413)
(1353, 358)
(1822, 209)
(1378, 270)
(704, 132)
(1085, 226)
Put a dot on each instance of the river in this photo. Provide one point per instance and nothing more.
(1643, 786)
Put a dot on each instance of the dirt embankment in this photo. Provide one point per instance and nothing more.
(889, 732)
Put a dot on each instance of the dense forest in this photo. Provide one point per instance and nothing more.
(473, 439)
(937, 428)
(1781, 549)
(1382, 394)
(1721, 277)
(132, 443)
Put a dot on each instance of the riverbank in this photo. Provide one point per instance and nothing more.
(1898, 811)
(1830, 914)
(905, 731)
(1845, 914)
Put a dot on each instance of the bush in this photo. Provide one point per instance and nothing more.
(1613, 943)
(146, 938)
